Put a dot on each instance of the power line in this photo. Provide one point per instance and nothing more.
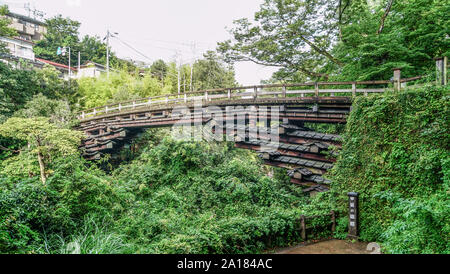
(131, 47)
(186, 45)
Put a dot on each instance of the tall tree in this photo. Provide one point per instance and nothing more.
(61, 32)
(45, 140)
(16, 88)
(379, 36)
(64, 32)
(159, 69)
(210, 73)
(291, 34)
(342, 39)
(93, 49)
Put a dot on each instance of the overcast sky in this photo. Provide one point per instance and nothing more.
(158, 28)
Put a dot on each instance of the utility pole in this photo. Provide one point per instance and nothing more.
(192, 66)
(179, 72)
(79, 63)
(184, 82)
(62, 51)
(70, 70)
(108, 35)
(179, 80)
(107, 53)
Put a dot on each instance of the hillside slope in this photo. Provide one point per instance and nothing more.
(396, 155)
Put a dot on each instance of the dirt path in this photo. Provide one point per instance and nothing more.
(328, 247)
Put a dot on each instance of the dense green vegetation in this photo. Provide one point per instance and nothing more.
(187, 197)
(17, 87)
(176, 197)
(396, 154)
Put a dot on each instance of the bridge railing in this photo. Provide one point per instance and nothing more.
(312, 89)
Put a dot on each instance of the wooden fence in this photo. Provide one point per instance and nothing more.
(304, 227)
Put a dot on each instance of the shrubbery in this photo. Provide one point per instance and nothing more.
(396, 154)
(205, 198)
(176, 197)
(32, 214)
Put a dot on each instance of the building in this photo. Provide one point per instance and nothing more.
(20, 48)
(63, 69)
(90, 69)
(28, 29)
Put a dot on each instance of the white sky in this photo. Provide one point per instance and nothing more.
(158, 28)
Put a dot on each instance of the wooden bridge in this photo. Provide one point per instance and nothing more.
(300, 150)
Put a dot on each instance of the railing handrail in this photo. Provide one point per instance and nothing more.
(168, 97)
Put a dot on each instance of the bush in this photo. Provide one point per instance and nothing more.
(398, 142)
(205, 198)
(29, 210)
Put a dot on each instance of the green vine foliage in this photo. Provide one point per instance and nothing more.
(174, 197)
(205, 198)
(396, 155)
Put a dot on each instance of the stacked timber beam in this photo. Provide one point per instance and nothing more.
(107, 140)
(307, 157)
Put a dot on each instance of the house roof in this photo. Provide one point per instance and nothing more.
(26, 18)
(58, 65)
(88, 63)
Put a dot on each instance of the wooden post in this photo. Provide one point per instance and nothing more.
(206, 96)
(354, 89)
(167, 99)
(229, 94)
(303, 227)
(441, 70)
(284, 91)
(134, 104)
(106, 109)
(255, 95)
(316, 87)
(120, 107)
(333, 222)
(185, 98)
(445, 70)
(83, 114)
(397, 78)
(353, 206)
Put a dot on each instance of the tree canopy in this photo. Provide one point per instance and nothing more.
(342, 39)
(45, 140)
(64, 32)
